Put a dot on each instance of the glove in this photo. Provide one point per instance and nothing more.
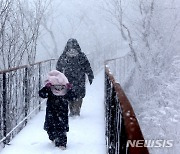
(90, 81)
(69, 86)
(48, 85)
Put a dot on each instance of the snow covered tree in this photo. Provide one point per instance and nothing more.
(150, 27)
(19, 31)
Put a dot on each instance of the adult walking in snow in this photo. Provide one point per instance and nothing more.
(57, 90)
(75, 65)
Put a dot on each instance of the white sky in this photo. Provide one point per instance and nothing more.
(86, 135)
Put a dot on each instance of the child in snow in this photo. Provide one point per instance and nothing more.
(56, 120)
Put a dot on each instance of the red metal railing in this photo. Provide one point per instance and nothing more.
(121, 123)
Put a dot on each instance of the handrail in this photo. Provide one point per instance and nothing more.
(108, 60)
(24, 66)
(128, 129)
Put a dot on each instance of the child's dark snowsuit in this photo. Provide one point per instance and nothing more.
(56, 119)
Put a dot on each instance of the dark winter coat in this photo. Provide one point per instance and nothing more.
(75, 68)
(56, 118)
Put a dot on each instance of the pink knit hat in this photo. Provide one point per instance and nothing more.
(55, 79)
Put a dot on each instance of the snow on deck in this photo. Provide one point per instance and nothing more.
(86, 135)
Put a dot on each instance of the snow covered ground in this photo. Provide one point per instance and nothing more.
(86, 135)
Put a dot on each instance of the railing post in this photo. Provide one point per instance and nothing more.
(118, 127)
(112, 122)
(4, 95)
(26, 93)
(123, 138)
(39, 84)
(50, 65)
(107, 111)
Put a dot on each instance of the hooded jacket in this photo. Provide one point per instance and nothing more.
(56, 119)
(75, 65)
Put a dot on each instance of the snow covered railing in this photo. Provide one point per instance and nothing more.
(19, 100)
(122, 129)
(122, 69)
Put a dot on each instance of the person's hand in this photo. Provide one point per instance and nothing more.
(48, 85)
(69, 86)
(90, 81)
